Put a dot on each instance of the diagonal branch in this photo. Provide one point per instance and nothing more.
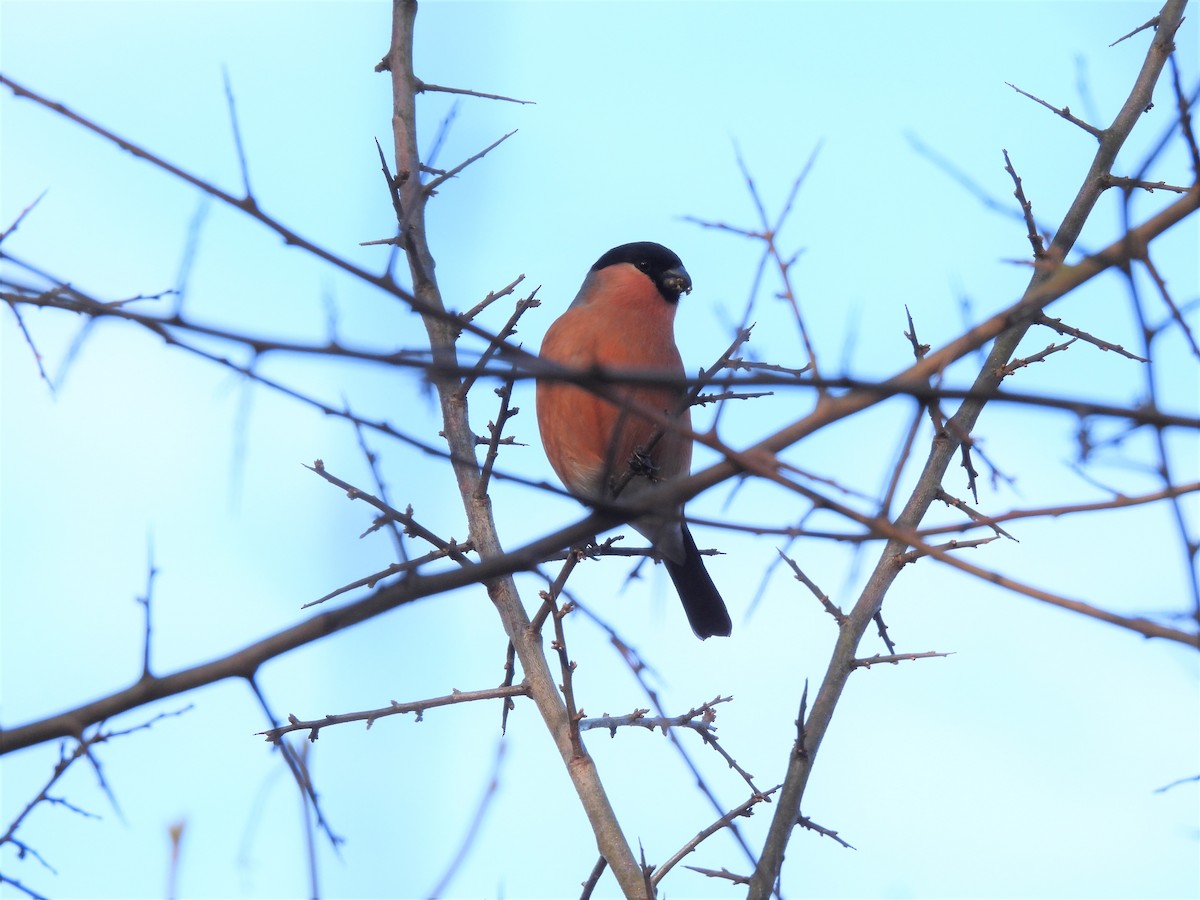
(871, 600)
(443, 330)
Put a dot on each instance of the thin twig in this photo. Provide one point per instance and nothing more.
(243, 166)
(424, 86)
(371, 716)
(432, 186)
(1065, 112)
(744, 809)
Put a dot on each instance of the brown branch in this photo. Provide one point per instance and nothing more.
(1011, 367)
(248, 206)
(895, 658)
(722, 873)
(370, 716)
(1065, 112)
(432, 186)
(744, 809)
(1152, 23)
(753, 366)
(593, 878)
(976, 517)
(806, 822)
(798, 574)
(499, 341)
(1121, 501)
(424, 86)
(1130, 184)
(411, 526)
(913, 555)
(705, 399)
(799, 765)
(1035, 236)
(443, 329)
(566, 667)
(900, 536)
(492, 297)
(409, 565)
(495, 432)
(908, 382)
(372, 459)
(1136, 624)
(700, 719)
(245, 661)
(859, 396)
(1062, 328)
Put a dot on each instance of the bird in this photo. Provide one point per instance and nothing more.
(623, 318)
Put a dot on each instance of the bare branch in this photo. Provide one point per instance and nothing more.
(1062, 328)
(435, 183)
(975, 516)
(1152, 23)
(1149, 187)
(894, 658)
(1003, 348)
(1065, 112)
(1035, 237)
(370, 716)
(805, 822)
(492, 297)
(1011, 367)
(743, 809)
(914, 555)
(424, 86)
(830, 607)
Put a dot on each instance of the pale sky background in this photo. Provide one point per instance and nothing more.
(1025, 765)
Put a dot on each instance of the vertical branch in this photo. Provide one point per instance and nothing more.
(944, 447)
(443, 332)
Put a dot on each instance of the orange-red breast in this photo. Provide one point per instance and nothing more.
(624, 318)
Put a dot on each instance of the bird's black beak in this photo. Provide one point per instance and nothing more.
(675, 282)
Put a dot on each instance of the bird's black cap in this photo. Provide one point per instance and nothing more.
(659, 264)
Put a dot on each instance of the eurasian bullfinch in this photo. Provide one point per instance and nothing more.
(623, 318)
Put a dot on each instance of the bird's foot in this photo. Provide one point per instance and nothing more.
(642, 464)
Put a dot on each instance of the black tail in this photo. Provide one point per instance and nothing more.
(701, 601)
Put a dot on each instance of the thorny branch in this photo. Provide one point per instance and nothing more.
(870, 601)
(453, 376)
(371, 716)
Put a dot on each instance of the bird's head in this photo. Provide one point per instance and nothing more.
(656, 262)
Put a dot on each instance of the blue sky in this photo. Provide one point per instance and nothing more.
(1022, 766)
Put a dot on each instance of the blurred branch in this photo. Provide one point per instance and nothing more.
(978, 520)
(83, 749)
